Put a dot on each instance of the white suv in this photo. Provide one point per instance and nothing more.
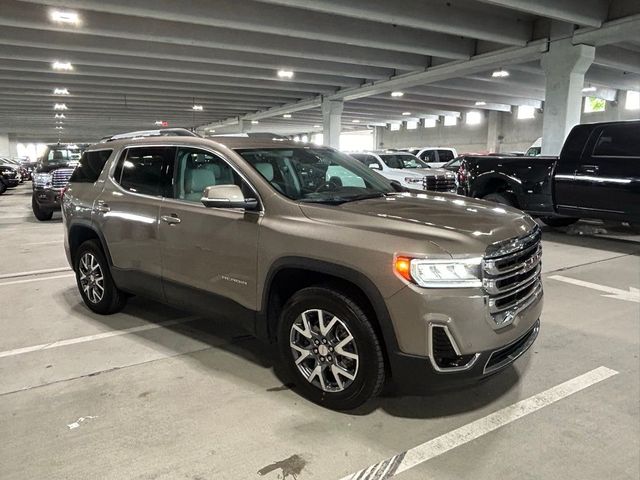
(433, 156)
(409, 170)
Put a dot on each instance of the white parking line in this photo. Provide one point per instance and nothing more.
(34, 272)
(37, 279)
(465, 434)
(631, 295)
(97, 336)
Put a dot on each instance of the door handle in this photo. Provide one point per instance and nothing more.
(102, 207)
(589, 169)
(170, 219)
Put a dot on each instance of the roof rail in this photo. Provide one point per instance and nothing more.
(163, 132)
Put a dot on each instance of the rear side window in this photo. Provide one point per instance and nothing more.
(146, 170)
(445, 155)
(90, 167)
(618, 141)
(428, 156)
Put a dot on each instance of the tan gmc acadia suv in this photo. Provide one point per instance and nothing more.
(355, 279)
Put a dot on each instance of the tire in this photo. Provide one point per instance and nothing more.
(505, 198)
(365, 374)
(99, 276)
(3, 188)
(558, 221)
(40, 214)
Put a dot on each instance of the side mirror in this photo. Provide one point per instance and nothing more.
(374, 166)
(227, 196)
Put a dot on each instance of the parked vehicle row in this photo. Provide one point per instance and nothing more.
(408, 170)
(597, 175)
(10, 176)
(358, 281)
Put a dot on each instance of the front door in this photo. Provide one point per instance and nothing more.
(209, 255)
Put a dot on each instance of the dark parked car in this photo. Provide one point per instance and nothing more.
(597, 175)
(9, 176)
(51, 176)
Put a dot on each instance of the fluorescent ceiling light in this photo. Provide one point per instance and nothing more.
(406, 114)
(481, 103)
(60, 115)
(397, 94)
(286, 115)
(317, 126)
(285, 74)
(60, 106)
(589, 89)
(60, 91)
(59, 128)
(355, 121)
(64, 16)
(65, 66)
(500, 73)
(254, 122)
(198, 108)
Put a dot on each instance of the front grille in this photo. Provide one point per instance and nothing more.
(60, 177)
(439, 183)
(512, 276)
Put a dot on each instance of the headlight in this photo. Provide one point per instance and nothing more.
(42, 179)
(7, 172)
(413, 179)
(437, 273)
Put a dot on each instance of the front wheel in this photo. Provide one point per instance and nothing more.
(330, 348)
(558, 221)
(40, 214)
(94, 280)
(3, 188)
(505, 198)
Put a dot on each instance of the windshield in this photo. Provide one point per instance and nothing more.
(316, 174)
(62, 156)
(403, 161)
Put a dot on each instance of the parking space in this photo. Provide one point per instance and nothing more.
(156, 393)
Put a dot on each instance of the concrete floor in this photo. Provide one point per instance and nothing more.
(198, 399)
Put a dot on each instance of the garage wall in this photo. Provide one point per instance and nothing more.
(517, 135)
(4, 146)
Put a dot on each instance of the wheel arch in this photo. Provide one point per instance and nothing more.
(81, 231)
(290, 274)
(495, 182)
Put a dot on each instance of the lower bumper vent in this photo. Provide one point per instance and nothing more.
(444, 354)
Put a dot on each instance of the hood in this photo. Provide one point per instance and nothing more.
(458, 225)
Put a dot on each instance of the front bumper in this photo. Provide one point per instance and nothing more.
(47, 198)
(413, 374)
(12, 182)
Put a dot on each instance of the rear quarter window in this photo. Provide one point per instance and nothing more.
(618, 141)
(90, 167)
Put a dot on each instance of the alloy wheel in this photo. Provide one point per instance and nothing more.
(324, 350)
(91, 278)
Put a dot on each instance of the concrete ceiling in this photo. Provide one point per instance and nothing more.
(136, 62)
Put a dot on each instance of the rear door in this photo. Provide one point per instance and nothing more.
(127, 213)
(609, 172)
(445, 155)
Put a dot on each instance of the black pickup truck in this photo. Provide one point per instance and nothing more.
(597, 175)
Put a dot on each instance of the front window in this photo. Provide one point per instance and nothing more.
(316, 174)
(403, 161)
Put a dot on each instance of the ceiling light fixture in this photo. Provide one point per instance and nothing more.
(198, 108)
(60, 115)
(502, 73)
(397, 94)
(317, 126)
(286, 115)
(254, 122)
(589, 89)
(285, 74)
(355, 121)
(59, 128)
(60, 106)
(64, 66)
(481, 103)
(64, 16)
(60, 91)
(406, 114)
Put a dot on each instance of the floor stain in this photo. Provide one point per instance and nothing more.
(286, 386)
(144, 394)
(291, 467)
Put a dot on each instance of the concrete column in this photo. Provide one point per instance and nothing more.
(564, 65)
(618, 105)
(332, 122)
(5, 145)
(493, 145)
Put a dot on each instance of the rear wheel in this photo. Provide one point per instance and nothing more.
(40, 213)
(505, 198)
(94, 280)
(330, 348)
(559, 221)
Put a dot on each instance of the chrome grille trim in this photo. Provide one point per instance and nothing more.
(60, 177)
(511, 276)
